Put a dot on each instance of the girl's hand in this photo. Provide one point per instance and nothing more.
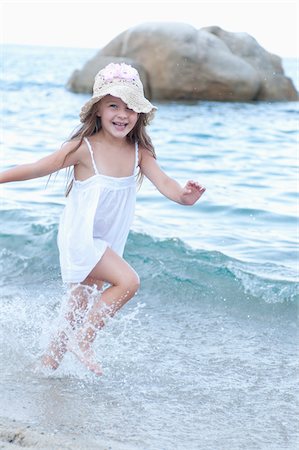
(192, 192)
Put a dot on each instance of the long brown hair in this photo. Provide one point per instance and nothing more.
(92, 125)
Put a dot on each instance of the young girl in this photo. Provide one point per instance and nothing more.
(108, 153)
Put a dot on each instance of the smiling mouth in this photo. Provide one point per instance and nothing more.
(120, 124)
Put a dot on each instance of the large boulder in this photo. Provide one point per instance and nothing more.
(178, 62)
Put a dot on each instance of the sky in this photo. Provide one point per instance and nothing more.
(92, 24)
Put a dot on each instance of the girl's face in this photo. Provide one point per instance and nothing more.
(116, 118)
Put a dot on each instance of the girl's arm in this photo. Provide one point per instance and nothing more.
(45, 166)
(186, 195)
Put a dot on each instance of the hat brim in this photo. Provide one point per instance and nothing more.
(137, 103)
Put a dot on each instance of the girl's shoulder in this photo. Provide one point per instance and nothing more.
(145, 153)
(74, 151)
(74, 145)
(141, 152)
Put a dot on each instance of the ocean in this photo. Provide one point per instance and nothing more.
(206, 354)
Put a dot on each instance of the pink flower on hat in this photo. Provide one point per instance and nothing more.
(122, 71)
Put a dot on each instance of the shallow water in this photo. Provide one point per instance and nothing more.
(206, 354)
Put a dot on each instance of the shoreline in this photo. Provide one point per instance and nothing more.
(16, 435)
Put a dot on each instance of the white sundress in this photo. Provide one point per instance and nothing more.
(99, 212)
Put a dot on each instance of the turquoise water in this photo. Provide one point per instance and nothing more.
(206, 354)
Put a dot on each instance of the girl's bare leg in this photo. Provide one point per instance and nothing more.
(124, 283)
(74, 316)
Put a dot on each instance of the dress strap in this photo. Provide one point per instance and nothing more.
(91, 154)
(136, 157)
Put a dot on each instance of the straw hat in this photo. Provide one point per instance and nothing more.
(122, 81)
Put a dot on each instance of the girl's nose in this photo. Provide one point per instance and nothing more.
(122, 113)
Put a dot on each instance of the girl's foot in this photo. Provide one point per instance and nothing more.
(49, 362)
(87, 357)
(56, 351)
(46, 364)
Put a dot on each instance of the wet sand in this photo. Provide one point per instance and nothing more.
(15, 435)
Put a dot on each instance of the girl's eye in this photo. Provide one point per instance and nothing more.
(113, 105)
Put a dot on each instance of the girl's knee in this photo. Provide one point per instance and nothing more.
(131, 283)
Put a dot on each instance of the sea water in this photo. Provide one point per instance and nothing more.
(206, 355)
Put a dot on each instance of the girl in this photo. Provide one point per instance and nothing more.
(108, 153)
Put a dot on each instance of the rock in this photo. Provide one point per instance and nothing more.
(178, 62)
(274, 84)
